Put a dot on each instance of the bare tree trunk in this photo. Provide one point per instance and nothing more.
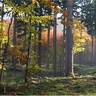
(48, 49)
(54, 44)
(25, 33)
(92, 57)
(39, 45)
(80, 54)
(14, 41)
(39, 48)
(69, 40)
(1, 29)
(35, 38)
(27, 63)
(64, 49)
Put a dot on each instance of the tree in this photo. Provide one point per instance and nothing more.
(31, 19)
(87, 15)
(69, 39)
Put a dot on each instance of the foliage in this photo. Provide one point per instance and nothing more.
(1, 67)
(20, 56)
(3, 35)
(79, 36)
(33, 66)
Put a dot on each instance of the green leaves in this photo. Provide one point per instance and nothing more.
(38, 19)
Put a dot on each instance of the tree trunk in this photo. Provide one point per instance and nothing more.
(39, 45)
(92, 57)
(14, 41)
(39, 48)
(28, 56)
(54, 44)
(35, 48)
(25, 33)
(69, 40)
(48, 49)
(64, 49)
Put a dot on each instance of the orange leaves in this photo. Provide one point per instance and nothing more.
(52, 5)
(46, 1)
(65, 13)
(44, 36)
(20, 42)
(21, 56)
(64, 23)
(55, 7)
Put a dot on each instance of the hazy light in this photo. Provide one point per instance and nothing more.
(59, 15)
(79, 9)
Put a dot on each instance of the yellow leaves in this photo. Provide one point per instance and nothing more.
(4, 40)
(77, 24)
(3, 35)
(22, 9)
(79, 36)
(33, 69)
(39, 19)
(1, 67)
(72, 74)
(25, 3)
(35, 2)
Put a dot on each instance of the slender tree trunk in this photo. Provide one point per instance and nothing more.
(48, 45)
(25, 43)
(39, 45)
(25, 33)
(35, 38)
(92, 57)
(14, 35)
(95, 52)
(54, 43)
(64, 48)
(39, 48)
(14, 41)
(2, 16)
(69, 40)
(1, 29)
(39, 39)
(80, 54)
(4, 53)
(27, 63)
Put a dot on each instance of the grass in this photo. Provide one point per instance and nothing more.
(85, 70)
(55, 86)
(83, 85)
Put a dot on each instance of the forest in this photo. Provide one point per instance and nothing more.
(48, 47)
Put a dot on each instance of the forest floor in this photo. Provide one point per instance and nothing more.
(84, 85)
